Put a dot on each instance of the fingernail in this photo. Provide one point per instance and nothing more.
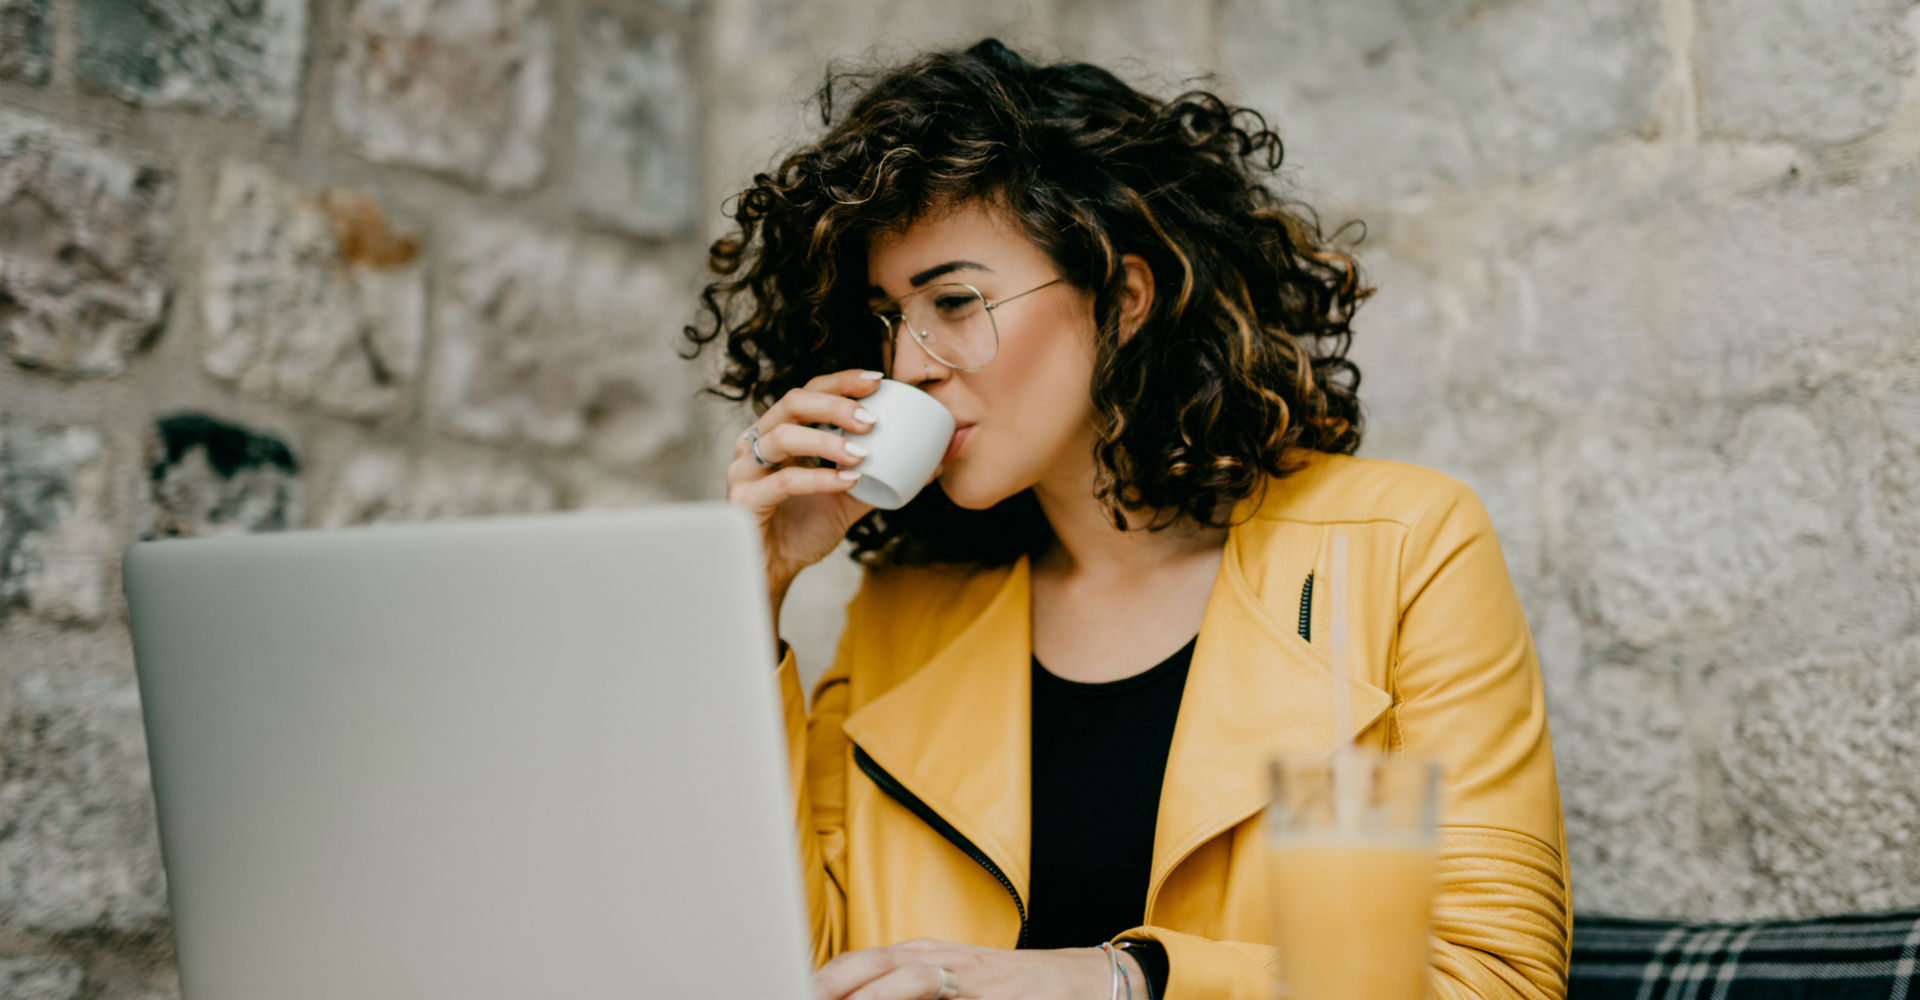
(872, 376)
(864, 415)
(858, 451)
(849, 474)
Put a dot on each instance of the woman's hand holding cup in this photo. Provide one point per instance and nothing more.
(803, 511)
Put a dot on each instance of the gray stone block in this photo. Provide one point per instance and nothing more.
(1806, 72)
(459, 86)
(83, 235)
(58, 540)
(207, 477)
(232, 58)
(752, 35)
(23, 40)
(78, 844)
(602, 492)
(445, 488)
(1630, 790)
(311, 297)
(1701, 551)
(1378, 98)
(1894, 518)
(385, 486)
(772, 56)
(139, 992)
(636, 136)
(1669, 537)
(559, 343)
(1818, 757)
(1161, 48)
(39, 978)
(1705, 299)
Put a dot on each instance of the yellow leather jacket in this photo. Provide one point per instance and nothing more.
(912, 770)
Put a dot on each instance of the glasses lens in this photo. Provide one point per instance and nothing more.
(953, 325)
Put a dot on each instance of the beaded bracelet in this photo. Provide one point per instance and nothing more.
(1145, 976)
(1120, 976)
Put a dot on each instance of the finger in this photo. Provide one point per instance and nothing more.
(790, 441)
(770, 491)
(786, 443)
(848, 971)
(745, 468)
(852, 382)
(916, 981)
(805, 406)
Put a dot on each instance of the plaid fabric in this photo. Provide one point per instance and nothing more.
(1860, 957)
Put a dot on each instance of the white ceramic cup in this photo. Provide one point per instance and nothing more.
(910, 434)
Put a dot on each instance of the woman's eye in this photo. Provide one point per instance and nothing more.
(954, 303)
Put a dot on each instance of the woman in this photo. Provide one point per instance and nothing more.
(1044, 725)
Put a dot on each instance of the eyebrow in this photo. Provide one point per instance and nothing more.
(876, 292)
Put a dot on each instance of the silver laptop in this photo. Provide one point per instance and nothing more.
(514, 758)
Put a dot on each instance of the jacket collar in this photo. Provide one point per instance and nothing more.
(957, 733)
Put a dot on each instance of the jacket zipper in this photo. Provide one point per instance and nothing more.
(1306, 609)
(900, 794)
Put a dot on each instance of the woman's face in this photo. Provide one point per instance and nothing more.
(1028, 413)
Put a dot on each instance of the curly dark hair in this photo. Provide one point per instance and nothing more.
(1239, 366)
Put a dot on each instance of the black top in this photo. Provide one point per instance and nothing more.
(1099, 759)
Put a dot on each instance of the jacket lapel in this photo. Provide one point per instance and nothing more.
(957, 732)
(1255, 689)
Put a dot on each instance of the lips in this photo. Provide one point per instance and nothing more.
(959, 438)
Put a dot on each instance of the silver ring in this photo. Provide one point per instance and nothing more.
(949, 986)
(753, 445)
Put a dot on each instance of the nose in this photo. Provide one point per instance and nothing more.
(911, 363)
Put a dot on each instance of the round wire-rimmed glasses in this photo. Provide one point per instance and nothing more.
(952, 321)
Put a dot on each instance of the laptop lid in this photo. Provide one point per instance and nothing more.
(521, 757)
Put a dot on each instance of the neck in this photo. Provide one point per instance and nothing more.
(1087, 543)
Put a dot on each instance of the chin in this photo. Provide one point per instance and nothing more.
(968, 494)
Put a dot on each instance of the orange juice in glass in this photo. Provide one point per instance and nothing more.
(1351, 862)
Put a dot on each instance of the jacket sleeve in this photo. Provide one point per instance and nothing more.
(1199, 967)
(816, 758)
(1466, 690)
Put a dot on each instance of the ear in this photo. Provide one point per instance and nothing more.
(1136, 294)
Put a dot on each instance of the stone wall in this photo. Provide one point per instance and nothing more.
(299, 263)
(1647, 275)
(1649, 281)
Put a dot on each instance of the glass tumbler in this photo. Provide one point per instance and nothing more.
(1351, 859)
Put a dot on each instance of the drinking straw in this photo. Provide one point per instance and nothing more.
(1346, 803)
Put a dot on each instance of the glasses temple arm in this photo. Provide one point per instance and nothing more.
(995, 305)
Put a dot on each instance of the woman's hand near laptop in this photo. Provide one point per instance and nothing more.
(925, 968)
(803, 512)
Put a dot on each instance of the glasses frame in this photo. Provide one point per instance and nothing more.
(888, 316)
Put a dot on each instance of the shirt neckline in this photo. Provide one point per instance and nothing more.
(1176, 662)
